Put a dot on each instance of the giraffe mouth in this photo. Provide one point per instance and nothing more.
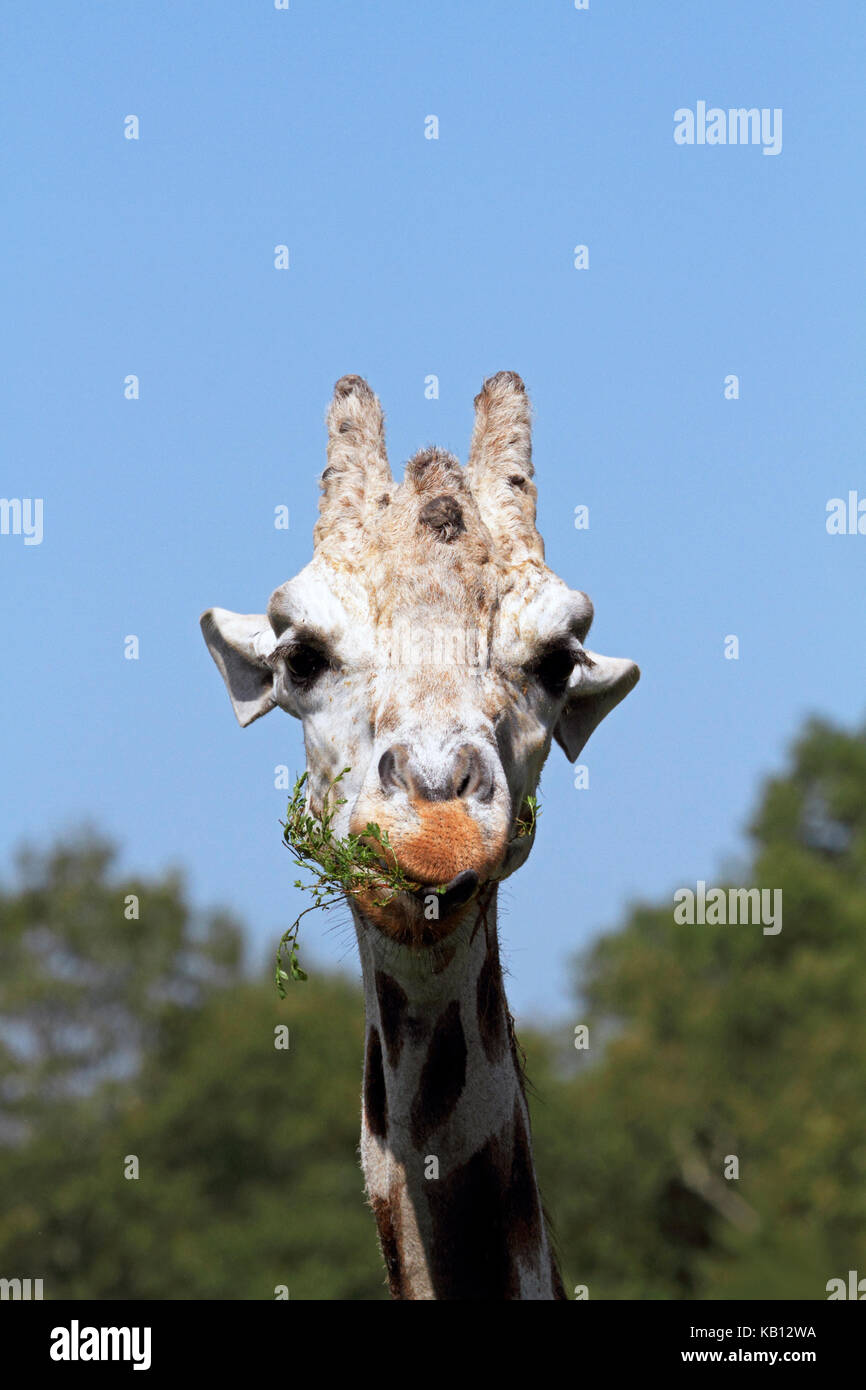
(451, 895)
(408, 919)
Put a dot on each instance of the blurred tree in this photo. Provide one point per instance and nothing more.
(711, 1041)
(85, 989)
(141, 1038)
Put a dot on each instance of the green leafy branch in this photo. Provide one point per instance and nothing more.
(526, 823)
(363, 863)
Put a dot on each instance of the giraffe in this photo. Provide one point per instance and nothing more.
(428, 648)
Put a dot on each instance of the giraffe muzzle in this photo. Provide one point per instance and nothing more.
(446, 813)
(436, 843)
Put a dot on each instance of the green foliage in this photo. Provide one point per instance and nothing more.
(528, 818)
(144, 1038)
(355, 864)
(715, 1041)
(84, 992)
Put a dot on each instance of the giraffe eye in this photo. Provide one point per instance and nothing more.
(554, 669)
(304, 663)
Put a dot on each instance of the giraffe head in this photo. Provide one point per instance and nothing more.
(428, 648)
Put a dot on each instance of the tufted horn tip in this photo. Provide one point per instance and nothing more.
(357, 472)
(501, 384)
(353, 385)
(500, 469)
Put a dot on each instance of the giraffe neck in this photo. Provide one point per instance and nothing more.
(445, 1139)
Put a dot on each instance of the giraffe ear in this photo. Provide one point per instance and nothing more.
(593, 691)
(240, 644)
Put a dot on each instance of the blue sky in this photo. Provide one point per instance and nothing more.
(409, 257)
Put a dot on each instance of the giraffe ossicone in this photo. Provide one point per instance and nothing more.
(428, 648)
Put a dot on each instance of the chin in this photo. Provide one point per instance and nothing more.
(407, 918)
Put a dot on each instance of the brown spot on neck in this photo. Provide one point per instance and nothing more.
(375, 1096)
(443, 1076)
(487, 1222)
(393, 1003)
(387, 1214)
(524, 1205)
(469, 1255)
(490, 998)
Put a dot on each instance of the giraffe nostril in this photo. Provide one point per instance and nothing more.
(472, 776)
(392, 769)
